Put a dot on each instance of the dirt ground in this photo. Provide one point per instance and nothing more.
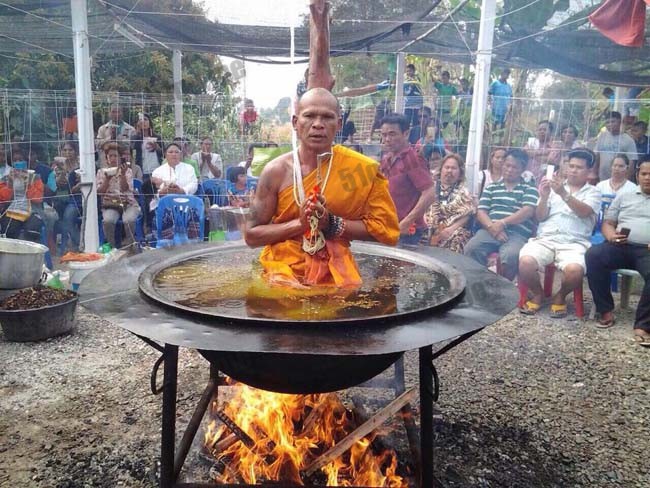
(528, 402)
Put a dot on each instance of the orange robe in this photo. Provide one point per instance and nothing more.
(356, 190)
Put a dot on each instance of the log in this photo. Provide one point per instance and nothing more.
(316, 412)
(244, 437)
(364, 429)
(223, 443)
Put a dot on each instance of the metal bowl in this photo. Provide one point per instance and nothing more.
(37, 324)
(21, 263)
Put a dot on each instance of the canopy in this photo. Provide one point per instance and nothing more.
(529, 34)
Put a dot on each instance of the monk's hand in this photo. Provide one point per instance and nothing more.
(317, 209)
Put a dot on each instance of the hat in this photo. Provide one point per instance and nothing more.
(20, 165)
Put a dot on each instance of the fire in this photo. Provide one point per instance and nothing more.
(284, 434)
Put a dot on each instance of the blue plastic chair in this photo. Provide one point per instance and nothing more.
(181, 207)
(215, 190)
(229, 171)
(251, 184)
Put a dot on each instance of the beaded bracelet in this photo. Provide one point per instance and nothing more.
(335, 227)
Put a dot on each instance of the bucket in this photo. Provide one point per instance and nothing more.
(80, 269)
(21, 263)
(226, 223)
(217, 219)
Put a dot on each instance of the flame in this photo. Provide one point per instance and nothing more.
(287, 439)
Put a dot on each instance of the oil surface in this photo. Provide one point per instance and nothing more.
(230, 284)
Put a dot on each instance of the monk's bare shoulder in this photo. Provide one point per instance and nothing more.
(277, 174)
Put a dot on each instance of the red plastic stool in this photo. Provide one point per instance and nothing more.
(549, 274)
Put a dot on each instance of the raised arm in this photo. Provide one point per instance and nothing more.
(320, 75)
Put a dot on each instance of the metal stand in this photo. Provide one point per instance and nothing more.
(171, 462)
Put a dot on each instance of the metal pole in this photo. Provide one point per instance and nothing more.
(178, 93)
(168, 434)
(399, 82)
(426, 418)
(481, 87)
(619, 95)
(85, 119)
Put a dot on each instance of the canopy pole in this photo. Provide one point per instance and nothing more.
(85, 120)
(399, 82)
(479, 99)
(178, 92)
(619, 95)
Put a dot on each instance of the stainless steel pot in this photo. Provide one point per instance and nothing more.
(21, 263)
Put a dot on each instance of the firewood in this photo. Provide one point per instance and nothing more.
(223, 443)
(316, 412)
(364, 429)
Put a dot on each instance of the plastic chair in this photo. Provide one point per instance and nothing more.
(215, 190)
(229, 171)
(549, 274)
(181, 207)
(627, 275)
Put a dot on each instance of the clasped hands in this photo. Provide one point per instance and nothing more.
(314, 207)
(497, 229)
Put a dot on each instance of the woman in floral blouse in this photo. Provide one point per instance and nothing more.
(449, 216)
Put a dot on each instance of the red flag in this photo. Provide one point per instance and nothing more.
(622, 21)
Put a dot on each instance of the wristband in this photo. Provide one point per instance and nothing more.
(335, 227)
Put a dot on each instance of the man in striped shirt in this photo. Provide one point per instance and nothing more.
(505, 213)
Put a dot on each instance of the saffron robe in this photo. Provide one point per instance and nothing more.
(356, 190)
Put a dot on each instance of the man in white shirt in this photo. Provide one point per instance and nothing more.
(209, 163)
(611, 142)
(566, 212)
(115, 130)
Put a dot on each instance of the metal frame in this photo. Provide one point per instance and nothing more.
(172, 461)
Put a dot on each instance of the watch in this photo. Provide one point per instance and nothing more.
(566, 197)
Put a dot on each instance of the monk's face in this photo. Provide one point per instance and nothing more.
(317, 120)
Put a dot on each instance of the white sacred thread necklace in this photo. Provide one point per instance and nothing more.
(314, 241)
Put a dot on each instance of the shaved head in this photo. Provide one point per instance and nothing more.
(320, 95)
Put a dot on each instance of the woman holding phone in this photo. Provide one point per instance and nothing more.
(115, 187)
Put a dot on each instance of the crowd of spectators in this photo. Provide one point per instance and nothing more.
(536, 206)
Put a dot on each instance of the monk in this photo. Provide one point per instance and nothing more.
(312, 202)
(345, 198)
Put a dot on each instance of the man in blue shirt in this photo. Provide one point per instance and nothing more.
(501, 93)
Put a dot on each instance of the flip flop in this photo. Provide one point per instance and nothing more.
(642, 340)
(558, 311)
(606, 324)
(530, 308)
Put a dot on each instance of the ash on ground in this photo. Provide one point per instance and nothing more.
(528, 402)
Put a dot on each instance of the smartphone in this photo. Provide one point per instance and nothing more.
(624, 231)
(550, 169)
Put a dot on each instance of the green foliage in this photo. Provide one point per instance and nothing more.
(29, 71)
(279, 114)
(359, 70)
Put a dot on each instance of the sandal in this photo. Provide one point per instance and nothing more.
(642, 340)
(606, 324)
(558, 311)
(530, 308)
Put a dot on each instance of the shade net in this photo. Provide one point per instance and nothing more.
(536, 34)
